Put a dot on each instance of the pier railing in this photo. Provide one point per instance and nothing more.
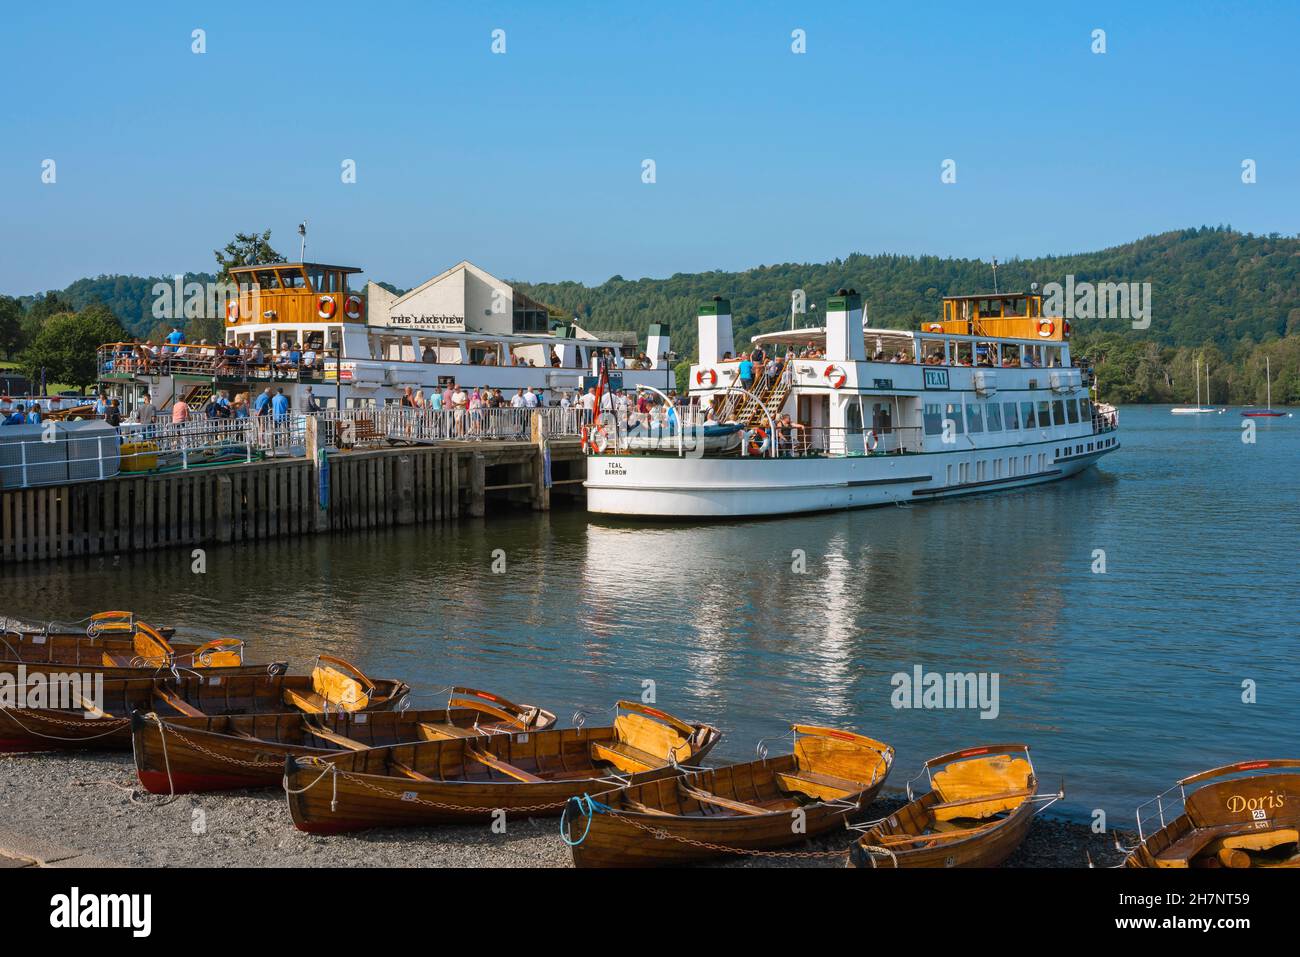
(198, 442)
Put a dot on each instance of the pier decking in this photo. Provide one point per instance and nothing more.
(284, 497)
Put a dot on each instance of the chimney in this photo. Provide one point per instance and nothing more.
(844, 342)
(715, 331)
(658, 343)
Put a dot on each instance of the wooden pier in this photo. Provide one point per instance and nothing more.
(279, 498)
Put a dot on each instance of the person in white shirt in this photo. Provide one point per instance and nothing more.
(565, 401)
(530, 399)
(517, 400)
(589, 400)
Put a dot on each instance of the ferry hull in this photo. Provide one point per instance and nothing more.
(670, 487)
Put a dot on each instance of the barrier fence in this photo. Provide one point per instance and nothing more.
(57, 452)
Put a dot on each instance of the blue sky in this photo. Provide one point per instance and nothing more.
(529, 163)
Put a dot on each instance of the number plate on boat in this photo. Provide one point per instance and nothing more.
(214, 681)
(361, 717)
(408, 795)
(38, 639)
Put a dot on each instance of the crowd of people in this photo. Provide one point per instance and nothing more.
(149, 358)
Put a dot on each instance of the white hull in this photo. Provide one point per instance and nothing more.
(671, 487)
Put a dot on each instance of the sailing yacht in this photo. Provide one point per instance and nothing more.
(1198, 409)
(1268, 412)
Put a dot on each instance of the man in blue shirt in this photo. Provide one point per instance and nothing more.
(175, 338)
(262, 404)
(34, 414)
(17, 417)
(279, 406)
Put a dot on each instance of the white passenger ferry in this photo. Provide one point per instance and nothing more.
(987, 398)
(299, 325)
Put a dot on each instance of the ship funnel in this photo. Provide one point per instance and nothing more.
(659, 345)
(844, 342)
(715, 331)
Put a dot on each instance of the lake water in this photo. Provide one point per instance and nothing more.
(1122, 682)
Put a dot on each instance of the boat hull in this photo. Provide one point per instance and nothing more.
(988, 849)
(672, 487)
(248, 751)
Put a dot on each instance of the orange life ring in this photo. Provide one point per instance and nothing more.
(1045, 328)
(706, 374)
(232, 311)
(871, 440)
(836, 376)
(935, 327)
(325, 307)
(352, 307)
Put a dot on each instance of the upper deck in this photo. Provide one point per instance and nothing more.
(293, 293)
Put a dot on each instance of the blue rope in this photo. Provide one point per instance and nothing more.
(587, 806)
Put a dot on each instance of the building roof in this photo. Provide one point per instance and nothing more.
(297, 265)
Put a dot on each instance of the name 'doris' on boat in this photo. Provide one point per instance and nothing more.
(935, 690)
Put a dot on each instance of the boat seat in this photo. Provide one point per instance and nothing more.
(622, 755)
(1197, 841)
(706, 797)
(333, 737)
(818, 785)
(502, 767)
(436, 731)
(980, 806)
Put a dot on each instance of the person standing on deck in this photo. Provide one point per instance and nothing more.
(180, 411)
(113, 414)
(530, 399)
(280, 406)
(17, 416)
(746, 372)
(262, 404)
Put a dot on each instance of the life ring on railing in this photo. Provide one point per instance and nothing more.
(600, 440)
(1045, 328)
(352, 307)
(870, 439)
(835, 376)
(706, 374)
(934, 327)
(756, 440)
(232, 311)
(325, 307)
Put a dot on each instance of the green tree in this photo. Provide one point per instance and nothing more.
(246, 249)
(66, 346)
(11, 325)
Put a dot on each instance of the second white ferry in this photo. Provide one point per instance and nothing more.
(847, 416)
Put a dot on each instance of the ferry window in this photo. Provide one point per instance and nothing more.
(952, 413)
(1044, 414)
(1058, 410)
(1027, 415)
(975, 417)
(1013, 420)
(1085, 410)
(933, 416)
(267, 280)
(853, 418)
(993, 417)
(1072, 408)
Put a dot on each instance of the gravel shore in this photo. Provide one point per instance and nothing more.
(91, 803)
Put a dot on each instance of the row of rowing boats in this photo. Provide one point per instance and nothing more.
(351, 754)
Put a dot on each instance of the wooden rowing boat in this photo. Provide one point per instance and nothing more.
(175, 755)
(977, 812)
(94, 712)
(141, 653)
(829, 777)
(1236, 821)
(473, 779)
(100, 624)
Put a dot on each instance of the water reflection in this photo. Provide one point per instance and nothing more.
(1122, 682)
